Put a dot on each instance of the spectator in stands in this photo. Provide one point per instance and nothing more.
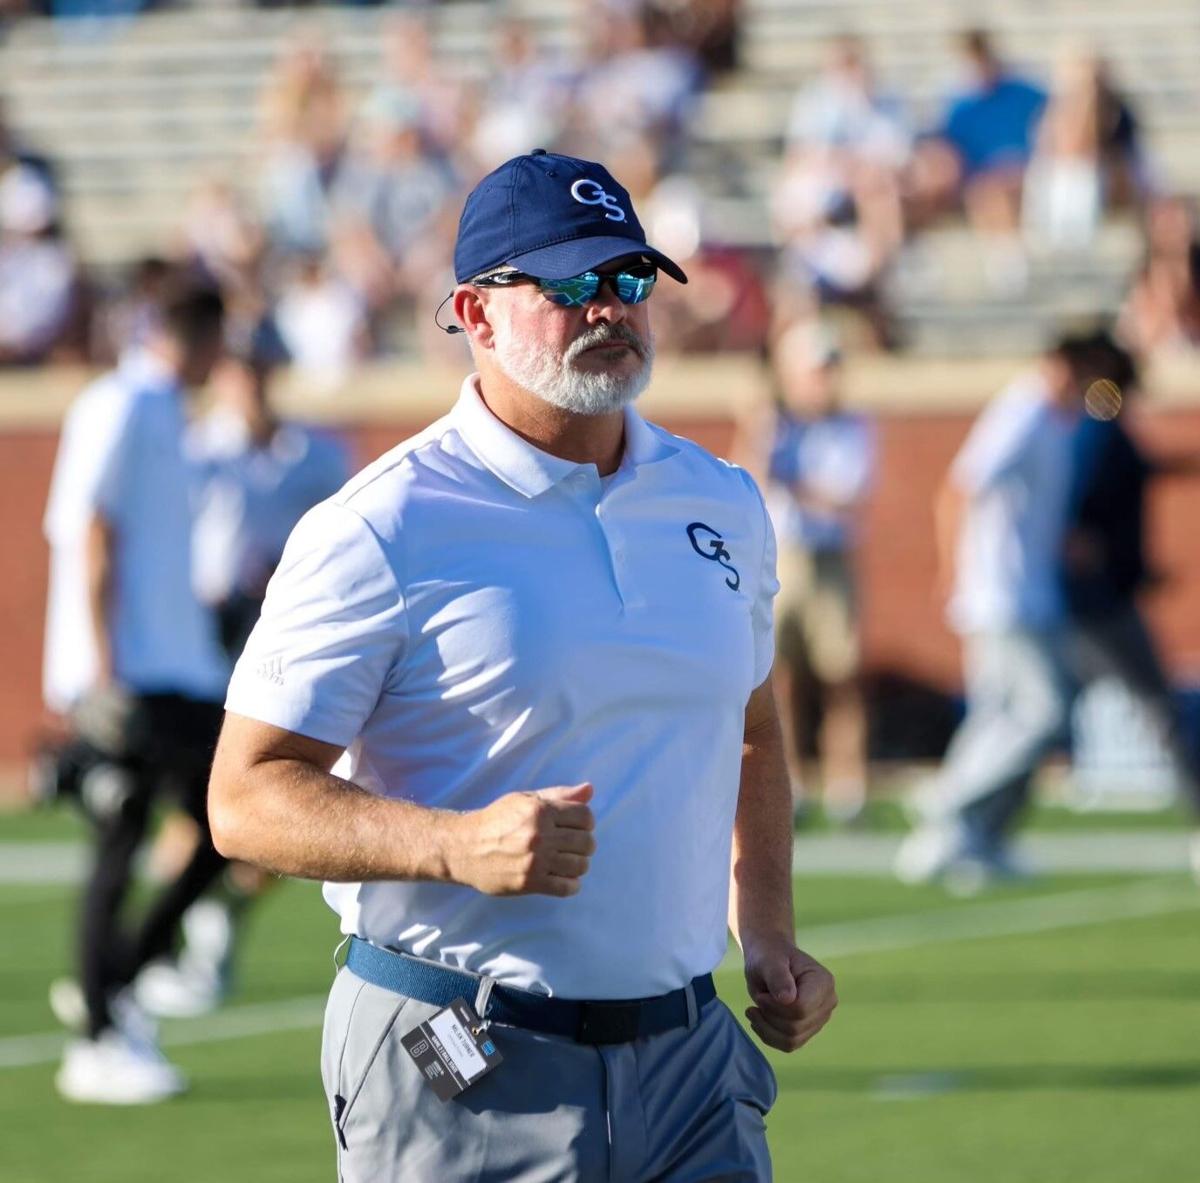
(979, 153)
(639, 83)
(219, 238)
(846, 141)
(13, 150)
(725, 305)
(1001, 516)
(40, 286)
(815, 461)
(394, 208)
(302, 116)
(410, 65)
(525, 101)
(1088, 156)
(1162, 310)
(322, 321)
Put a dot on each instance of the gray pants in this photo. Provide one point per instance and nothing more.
(686, 1106)
(1017, 699)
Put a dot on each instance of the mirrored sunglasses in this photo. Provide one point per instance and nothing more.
(633, 285)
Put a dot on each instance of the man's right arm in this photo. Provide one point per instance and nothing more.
(274, 802)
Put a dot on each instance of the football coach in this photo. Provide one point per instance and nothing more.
(509, 697)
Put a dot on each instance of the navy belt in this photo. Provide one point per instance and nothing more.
(585, 1022)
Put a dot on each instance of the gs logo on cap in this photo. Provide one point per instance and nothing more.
(588, 192)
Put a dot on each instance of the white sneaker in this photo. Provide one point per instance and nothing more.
(115, 1070)
(66, 1001)
(927, 852)
(172, 991)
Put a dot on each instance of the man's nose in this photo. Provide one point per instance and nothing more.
(605, 305)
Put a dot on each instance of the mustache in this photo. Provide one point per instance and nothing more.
(606, 334)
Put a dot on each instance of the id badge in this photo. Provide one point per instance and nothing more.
(452, 1049)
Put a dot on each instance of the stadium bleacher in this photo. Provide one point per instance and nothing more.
(135, 114)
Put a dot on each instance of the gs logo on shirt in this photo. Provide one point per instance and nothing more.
(708, 544)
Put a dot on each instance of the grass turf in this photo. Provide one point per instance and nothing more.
(1059, 1055)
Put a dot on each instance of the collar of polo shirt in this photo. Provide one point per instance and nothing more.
(528, 469)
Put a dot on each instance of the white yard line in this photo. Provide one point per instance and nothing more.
(993, 918)
(237, 1022)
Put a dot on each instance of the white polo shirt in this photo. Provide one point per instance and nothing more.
(471, 617)
(121, 455)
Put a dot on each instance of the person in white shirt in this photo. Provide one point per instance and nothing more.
(258, 475)
(510, 697)
(133, 657)
(817, 460)
(1001, 522)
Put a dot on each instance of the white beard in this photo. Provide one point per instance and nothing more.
(553, 378)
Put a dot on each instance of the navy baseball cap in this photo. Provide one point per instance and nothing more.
(552, 217)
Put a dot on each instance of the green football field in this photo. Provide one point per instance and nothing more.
(1048, 1033)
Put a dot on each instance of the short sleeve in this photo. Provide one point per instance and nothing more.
(995, 444)
(331, 634)
(766, 587)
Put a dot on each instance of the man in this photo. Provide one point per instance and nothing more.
(537, 637)
(818, 460)
(1001, 517)
(259, 474)
(1104, 561)
(133, 657)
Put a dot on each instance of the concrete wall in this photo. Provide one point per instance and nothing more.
(903, 630)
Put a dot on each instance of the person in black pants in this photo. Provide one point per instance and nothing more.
(1104, 562)
(133, 659)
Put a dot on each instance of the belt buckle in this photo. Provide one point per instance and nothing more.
(608, 1022)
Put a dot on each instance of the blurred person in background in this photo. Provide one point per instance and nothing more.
(219, 238)
(410, 65)
(836, 206)
(302, 113)
(134, 315)
(323, 321)
(846, 140)
(979, 152)
(393, 208)
(41, 288)
(133, 657)
(259, 474)
(525, 98)
(1001, 517)
(1162, 310)
(638, 83)
(725, 304)
(1088, 156)
(1105, 569)
(816, 461)
(15, 151)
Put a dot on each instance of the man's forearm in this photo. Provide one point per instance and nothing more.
(760, 895)
(294, 819)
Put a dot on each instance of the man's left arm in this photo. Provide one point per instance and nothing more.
(793, 994)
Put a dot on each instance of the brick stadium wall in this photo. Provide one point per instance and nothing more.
(902, 626)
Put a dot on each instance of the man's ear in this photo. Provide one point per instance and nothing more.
(471, 310)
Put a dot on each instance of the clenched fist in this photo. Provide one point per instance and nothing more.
(536, 843)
